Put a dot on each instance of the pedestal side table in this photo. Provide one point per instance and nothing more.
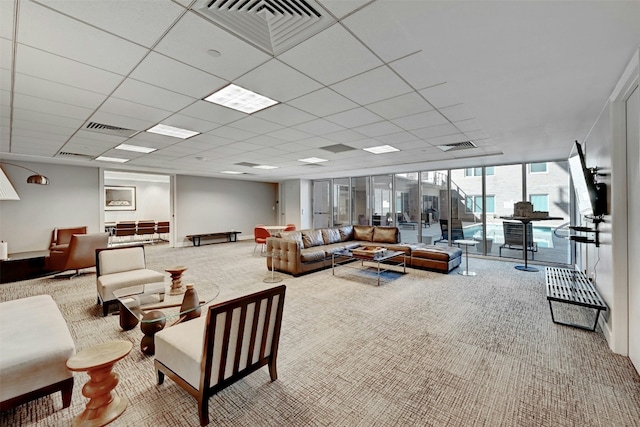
(466, 244)
(104, 406)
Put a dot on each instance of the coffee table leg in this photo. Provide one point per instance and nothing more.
(127, 320)
(149, 329)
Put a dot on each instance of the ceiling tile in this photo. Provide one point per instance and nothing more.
(397, 138)
(29, 102)
(65, 71)
(354, 118)
(323, 102)
(399, 106)
(211, 112)
(167, 73)
(284, 115)
(7, 9)
(143, 25)
(190, 123)
(378, 129)
(277, 81)
(418, 71)
(344, 136)
(456, 113)
(231, 133)
(46, 118)
(256, 125)
(52, 91)
(153, 96)
(133, 110)
(435, 131)
(289, 134)
(448, 139)
(190, 39)
(5, 80)
(331, 56)
(372, 86)
(118, 120)
(421, 120)
(75, 40)
(468, 125)
(341, 8)
(318, 127)
(6, 53)
(440, 96)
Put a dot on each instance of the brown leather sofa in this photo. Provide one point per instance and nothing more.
(78, 254)
(304, 251)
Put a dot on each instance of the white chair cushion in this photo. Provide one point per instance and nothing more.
(110, 282)
(35, 344)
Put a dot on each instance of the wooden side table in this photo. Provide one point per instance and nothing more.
(104, 406)
(176, 279)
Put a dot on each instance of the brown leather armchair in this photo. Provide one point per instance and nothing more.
(60, 237)
(79, 254)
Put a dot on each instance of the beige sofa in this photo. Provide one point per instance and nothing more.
(35, 344)
(304, 251)
(121, 267)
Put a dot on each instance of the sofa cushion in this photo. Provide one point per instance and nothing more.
(331, 235)
(363, 232)
(438, 253)
(311, 238)
(292, 235)
(346, 232)
(385, 234)
(110, 282)
(312, 254)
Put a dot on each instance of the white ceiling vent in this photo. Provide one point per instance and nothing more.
(74, 155)
(457, 146)
(273, 25)
(109, 130)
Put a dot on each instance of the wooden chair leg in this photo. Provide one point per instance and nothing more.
(160, 377)
(273, 371)
(203, 410)
(67, 391)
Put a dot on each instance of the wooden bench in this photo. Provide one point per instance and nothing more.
(572, 287)
(231, 236)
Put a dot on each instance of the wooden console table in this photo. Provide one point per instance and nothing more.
(23, 266)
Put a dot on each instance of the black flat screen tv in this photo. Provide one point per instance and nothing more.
(591, 196)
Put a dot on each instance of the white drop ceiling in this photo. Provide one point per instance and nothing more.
(522, 79)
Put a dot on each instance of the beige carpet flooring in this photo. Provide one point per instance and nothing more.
(422, 349)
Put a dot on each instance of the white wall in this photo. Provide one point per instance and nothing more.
(152, 201)
(606, 148)
(206, 205)
(72, 198)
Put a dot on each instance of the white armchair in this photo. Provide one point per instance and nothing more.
(236, 338)
(121, 267)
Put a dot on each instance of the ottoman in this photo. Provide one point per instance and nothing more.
(439, 258)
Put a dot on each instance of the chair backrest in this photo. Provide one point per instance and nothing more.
(119, 259)
(241, 336)
(457, 233)
(260, 233)
(62, 236)
(163, 227)
(513, 233)
(146, 227)
(290, 227)
(126, 228)
(82, 250)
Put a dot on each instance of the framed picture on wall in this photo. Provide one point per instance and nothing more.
(119, 198)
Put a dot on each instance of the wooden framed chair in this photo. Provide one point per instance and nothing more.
(162, 229)
(125, 229)
(146, 229)
(236, 338)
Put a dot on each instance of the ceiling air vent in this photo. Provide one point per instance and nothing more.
(457, 146)
(337, 148)
(109, 130)
(247, 164)
(74, 155)
(273, 25)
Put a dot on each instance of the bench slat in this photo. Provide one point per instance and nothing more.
(232, 236)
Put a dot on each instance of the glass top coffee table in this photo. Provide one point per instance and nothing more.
(385, 258)
(143, 304)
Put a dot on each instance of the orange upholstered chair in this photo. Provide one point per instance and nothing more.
(290, 227)
(260, 236)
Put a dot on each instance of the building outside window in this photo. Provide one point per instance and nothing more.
(538, 167)
(473, 204)
(478, 171)
(540, 202)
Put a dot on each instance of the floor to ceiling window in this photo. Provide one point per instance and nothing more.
(360, 195)
(321, 204)
(435, 204)
(341, 203)
(383, 212)
(407, 206)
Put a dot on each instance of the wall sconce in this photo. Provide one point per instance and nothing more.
(36, 178)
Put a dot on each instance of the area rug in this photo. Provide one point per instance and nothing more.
(421, 349)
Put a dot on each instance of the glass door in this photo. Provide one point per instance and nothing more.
(321, 204)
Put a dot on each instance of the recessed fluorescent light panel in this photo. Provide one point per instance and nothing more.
(240, 99)
(172, 131)
(381, 149)
(111, 159)
(232, 172)
(313, 160)
(136, 148)
(265, 167)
